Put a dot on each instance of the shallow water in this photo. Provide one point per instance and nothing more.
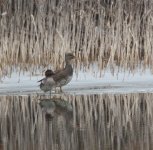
(77, 122)
(83, 83)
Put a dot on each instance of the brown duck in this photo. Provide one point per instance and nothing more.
(58, 78)
(64, 76)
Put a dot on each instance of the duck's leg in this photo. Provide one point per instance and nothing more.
(61, 89)
(55, 90)
(50, 94)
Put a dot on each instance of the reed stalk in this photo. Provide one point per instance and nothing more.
(108, 32)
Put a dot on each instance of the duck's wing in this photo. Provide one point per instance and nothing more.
(58, 71)
(60, 75)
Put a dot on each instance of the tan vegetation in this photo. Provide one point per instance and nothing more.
(37, 33)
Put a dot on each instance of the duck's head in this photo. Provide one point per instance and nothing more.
(49, 73)
(69, 56)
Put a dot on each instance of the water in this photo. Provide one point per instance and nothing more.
(77, 122)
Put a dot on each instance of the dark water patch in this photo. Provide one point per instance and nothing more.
(84, 122)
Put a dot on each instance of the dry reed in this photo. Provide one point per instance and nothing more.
(37, 33)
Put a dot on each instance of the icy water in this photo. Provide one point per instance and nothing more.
(77, 122)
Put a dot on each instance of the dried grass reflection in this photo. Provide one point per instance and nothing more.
(84, 122)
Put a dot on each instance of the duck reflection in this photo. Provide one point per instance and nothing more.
(57, 108)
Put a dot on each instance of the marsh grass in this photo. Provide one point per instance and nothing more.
(108, 32)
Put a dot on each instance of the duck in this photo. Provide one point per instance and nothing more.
(63, 76)
(58, 78)
(47, 83)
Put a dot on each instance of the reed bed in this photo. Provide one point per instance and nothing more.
(37, 33)
(117, 122)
